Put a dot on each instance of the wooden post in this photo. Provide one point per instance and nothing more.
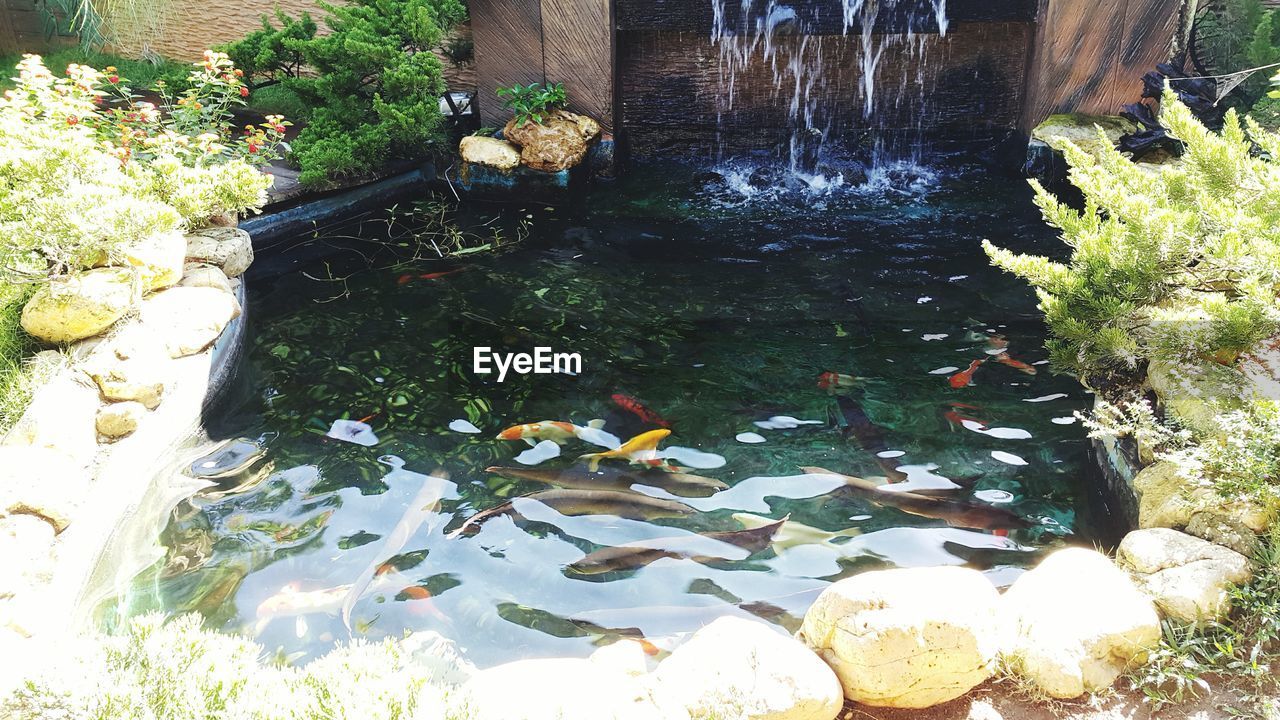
(8, 38)
(533, 41)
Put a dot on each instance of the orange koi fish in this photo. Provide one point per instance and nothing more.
(406, 279)
(421, 599)
(1004, 359)
(964, 377)
(554, 430)
(637, 408)
(833, 381)
(641, 449)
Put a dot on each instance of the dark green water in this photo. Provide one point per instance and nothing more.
(716, 312)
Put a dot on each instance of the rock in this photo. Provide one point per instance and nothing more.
(1189, 578)
(908, 638)
(158, 258)
(625, 656)
(143, 379)
(1082, 130)
(490, 152)
(1169, 500)
(25, 544)
(1198, 393)
(189, 319)
(79, 306)
(1078, 623)
(229, 248)
(736, 668)
(204, 275)
(117, 420)
(40, 482)
(558, 143)
(1224, 531)
(553, 689)
(440, 655)
(61, 417)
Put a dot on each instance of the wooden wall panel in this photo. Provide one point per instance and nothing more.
(578, 51)
(508, 42)
(1090, 55)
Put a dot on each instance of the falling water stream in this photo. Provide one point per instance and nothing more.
(777, 35)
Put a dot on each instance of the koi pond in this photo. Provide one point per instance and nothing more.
(804, 386)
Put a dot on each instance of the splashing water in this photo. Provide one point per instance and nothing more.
(777, 36)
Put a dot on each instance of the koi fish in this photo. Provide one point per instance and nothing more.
(1005, 359)
(965, 377)
(736, 544)
(793, 534)
(957, 420)
(612, 478)
(833, 381)
(637, 408)
(421, 599)
(642, 449)
(632, 506)
(560, 432)
(956, 513)
(869, 437)
(292, 601)
(406, 279)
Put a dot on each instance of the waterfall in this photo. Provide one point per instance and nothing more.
(775, 35)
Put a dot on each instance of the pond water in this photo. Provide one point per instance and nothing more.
(768, 331)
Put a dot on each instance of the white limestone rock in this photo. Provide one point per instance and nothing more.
(158, 258)
(229, 248)
(739, 669)
(189, 319)
(490, 152)
(117, 420)
(907, 638)
(41, 482)
(1189, 578)
(1078, 623)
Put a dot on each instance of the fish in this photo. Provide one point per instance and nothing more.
(964, 377)
(560, 432)
(637, 408)
(638, 554)
(291, 601)
(956, 513)
(869, 437)
(406, 279)
(421, 597)
(424, 505)
(833, 381)
(641, 449)
(632, 506)
(956, 420)
(1005, 359)
(612, 478)
(793, 534)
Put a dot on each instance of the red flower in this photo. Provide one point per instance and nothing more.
(253, 148)
(113, 79)
(244, 91)
(73, 120)
(279, 128)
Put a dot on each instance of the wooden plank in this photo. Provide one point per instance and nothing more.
(818, 17)
(1072, 59)
(1151, 27)
(8, 38)
(578, 50)
(672, 90)
(508, 41)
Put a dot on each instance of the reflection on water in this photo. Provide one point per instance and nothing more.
(369, 494)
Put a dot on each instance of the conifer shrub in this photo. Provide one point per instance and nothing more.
(371, 81)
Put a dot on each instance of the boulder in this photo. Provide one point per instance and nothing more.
(907, 638)
(61, 417)
(553, 689)
(117, 420)
(1168, 499)
(189, 319)
(1082, 130)
(1189, 578)
(1078, 622)
(205, 275)
(626, 656)
(1225, 531)
(558, 143)
(26, 544)
(40, 482)
(158, 258)
(736, 668)
(79, 306)
(229, 248)
(490, 152)
(143, 379)
(1197, 393)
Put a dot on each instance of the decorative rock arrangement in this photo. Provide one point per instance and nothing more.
(490, 152)
(560, 142)
(1077, 623)
(893, 641)
(1189, 578)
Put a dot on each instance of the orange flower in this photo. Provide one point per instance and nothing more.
(244, 91)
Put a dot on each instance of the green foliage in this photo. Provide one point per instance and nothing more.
(460, 50)
(532, 103)
(140, 73)
(178, 670)
(1192, 661)
(372, 81)
(1173, 264)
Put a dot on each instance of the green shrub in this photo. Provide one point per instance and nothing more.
(1172, 264)
(372, 81)
(176, 669)
(532, 103)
